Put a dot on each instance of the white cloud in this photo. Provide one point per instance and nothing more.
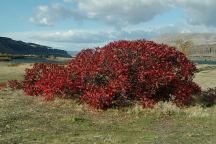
(124, 12)
(114, 12)
(73, 37)
(78, 39)
(119, 13)
(200, 12)
(88, 37)
(68, 1)
(184, 28)
(48, 15)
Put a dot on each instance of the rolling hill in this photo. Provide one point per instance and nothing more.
(204, 44)
(73, 53)
(10, 46)
(197, 38)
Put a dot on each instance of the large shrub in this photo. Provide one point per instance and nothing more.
(130, 71)
(118, 74)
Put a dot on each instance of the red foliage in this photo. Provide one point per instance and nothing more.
(120, 72)
(2, 86)
(14, 84)
(136, 71)
(31, 77)
(48, 80)
(55, 80)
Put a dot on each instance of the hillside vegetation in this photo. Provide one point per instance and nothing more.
(203, 44)
(9, 46)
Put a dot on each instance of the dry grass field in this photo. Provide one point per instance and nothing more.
(206, 77)
(9, 71)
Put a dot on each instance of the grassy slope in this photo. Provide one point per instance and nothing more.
(29, 120)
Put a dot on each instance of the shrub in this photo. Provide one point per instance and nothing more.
(118, 74)
(207, 98)
(55, 80)
(31, 76)
(130, 71)
(48, 80)
(14, 84)
(2, 86)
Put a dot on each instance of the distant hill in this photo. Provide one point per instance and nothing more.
(73, 53)
(197, 38)
(204, 44)
(10, 46)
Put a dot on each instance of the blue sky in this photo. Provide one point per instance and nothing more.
(77, 24)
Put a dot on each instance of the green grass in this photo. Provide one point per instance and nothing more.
(30, 120)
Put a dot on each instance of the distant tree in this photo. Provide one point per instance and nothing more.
(183, 46)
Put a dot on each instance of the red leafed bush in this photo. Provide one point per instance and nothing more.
(56, 80)
(33, 75)
(2, 86)
(14, 84)
(48, 80)
(133, 71)
(117, 74)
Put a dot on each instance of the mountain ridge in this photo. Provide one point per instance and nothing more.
(197, 38)
(17, 47)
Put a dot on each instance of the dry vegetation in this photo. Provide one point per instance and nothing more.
(206, 77)
(9, 71)
(29, 120)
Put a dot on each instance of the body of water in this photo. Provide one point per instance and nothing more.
(41, 60)
(34, 60)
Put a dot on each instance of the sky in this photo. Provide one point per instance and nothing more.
(73, 25)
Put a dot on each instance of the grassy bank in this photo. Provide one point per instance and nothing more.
(8, 57)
